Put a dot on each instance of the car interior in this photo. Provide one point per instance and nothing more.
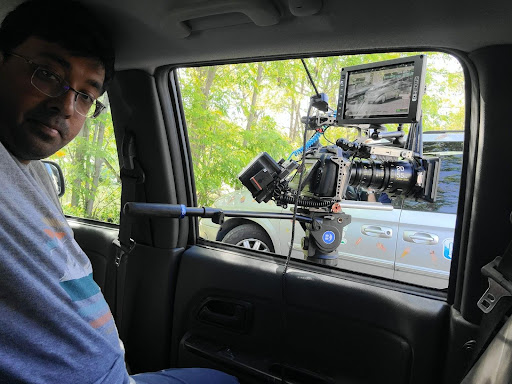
(183, 301)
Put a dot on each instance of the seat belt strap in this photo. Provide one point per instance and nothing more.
(131, 175)
(505, 266)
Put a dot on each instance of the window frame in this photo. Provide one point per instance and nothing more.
(468, 110)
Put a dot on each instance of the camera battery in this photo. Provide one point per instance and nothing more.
(259, 174)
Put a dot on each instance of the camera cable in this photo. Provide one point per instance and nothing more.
(284, 322)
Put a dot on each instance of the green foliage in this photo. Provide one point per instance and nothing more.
(236, 111)
(91, 171)
(221, 142)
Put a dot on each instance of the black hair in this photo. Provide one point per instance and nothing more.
(65, 22)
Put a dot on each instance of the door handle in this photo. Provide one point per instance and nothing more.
(232, 314)
(376, 231)
(228, 320)
(420, 237)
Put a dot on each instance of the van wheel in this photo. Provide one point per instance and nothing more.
(249, 236)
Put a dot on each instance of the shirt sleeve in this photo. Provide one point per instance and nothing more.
(43, 177)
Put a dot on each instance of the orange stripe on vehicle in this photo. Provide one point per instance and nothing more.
(102, 320)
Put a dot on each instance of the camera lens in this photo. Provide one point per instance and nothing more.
(387, 176)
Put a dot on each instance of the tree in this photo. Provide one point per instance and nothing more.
(90, 166)
(233, 112)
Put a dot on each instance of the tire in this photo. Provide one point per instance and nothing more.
(249, 236)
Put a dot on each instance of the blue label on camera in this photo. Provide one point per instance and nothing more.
(328, 237)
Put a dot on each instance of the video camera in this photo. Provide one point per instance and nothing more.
(375, 94)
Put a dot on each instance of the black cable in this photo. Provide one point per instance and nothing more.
(329, 141)
(325, 137)
(283, 276)
(294, 221)
(299, 186)
(310, 79)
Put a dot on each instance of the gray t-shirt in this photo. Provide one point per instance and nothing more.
(39, 172)
(55, 325)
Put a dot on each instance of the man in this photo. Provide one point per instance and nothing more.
(55, 326)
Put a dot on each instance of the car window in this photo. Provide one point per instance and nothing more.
(236, 111)
(91, 171)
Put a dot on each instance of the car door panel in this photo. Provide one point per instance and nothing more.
(369, 242)
(425, 240)
(333, 326)
(365, 248)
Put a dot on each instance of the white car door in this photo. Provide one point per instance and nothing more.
(369, 241)
(426, 231)
(424, 248)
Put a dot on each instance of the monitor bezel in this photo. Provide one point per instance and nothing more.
(414, 114)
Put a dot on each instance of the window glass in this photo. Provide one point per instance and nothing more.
(91, 171)
(450, 153)
(236, 111)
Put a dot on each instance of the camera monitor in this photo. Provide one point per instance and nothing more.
(383, 92)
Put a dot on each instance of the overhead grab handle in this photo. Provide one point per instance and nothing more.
(262, 12)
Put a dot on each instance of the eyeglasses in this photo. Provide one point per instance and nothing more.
(51, 84)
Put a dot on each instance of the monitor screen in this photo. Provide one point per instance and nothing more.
(310, 167)
(383, 92)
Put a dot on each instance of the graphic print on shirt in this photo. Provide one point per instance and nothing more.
(55, 232)
(77, 280)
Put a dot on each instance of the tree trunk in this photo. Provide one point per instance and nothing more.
(98, 162)
(296, 113)
(114, 171)
(252, 109)
(292, 117)
(208, 84)
(79, 161)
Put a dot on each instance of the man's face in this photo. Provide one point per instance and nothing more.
(33, 125)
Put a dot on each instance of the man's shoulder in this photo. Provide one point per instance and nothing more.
(43, 175)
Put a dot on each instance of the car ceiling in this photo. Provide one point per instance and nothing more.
(152, 33)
